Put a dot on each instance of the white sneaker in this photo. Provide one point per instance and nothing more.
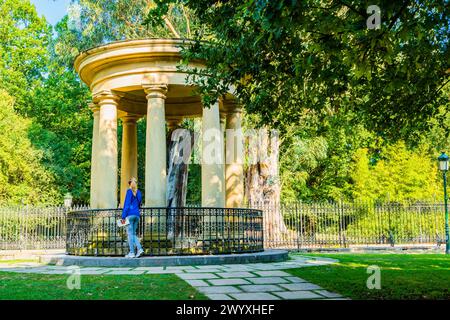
(130, 255)
(140, 253)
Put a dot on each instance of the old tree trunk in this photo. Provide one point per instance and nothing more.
(179, 149)
(263, 187)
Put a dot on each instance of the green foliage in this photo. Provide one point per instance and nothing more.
(283, 57)
(62, 128)
(400, 174)
(323, 146)
(24, 37)
(22, 178)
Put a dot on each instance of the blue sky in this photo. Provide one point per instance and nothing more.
(53, 10)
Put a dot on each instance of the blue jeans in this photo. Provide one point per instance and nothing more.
(133, 240)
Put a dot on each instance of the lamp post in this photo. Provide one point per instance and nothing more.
(68, 200)
(443, 166)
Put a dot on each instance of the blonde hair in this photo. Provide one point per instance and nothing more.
(133, 188)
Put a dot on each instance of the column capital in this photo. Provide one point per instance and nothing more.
(94, 107)
(106, 96)
(231, 106)
(130, 118)
(157, 90)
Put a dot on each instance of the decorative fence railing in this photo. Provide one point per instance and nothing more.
(167, 231)
(293, 226)
(325, 225)
(27, 228)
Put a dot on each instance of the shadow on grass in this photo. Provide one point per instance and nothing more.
(403, 276)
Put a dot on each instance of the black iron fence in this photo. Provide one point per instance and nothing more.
(167, 231)
(334, 224)
(28, 228)
(293, 226)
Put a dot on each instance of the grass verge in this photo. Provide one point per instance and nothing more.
(403, 276)
(27, 286)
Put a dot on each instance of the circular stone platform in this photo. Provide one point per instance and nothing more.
(157, 261)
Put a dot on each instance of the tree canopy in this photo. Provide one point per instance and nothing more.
(283, 57)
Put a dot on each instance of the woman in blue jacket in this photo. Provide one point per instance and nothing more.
(131, 211)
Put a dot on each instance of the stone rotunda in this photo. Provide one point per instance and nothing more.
(137, 79)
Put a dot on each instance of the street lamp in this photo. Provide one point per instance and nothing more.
(68, 200)
(443, 166)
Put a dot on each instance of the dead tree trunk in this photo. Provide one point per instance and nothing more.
(179, 147)
(262, 181)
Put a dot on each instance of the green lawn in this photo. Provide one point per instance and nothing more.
(20, 286)
(403, 276)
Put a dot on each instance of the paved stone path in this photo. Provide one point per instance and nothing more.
(253, 281)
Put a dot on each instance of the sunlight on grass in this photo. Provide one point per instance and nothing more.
(403, 276)
(18, 286)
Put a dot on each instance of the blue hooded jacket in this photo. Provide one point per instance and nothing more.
(132, 204)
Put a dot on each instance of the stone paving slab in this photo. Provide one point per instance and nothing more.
(218, 289)
(272, 273)
(260, 288)
(254, 296)
(268, 280)
(238, 274)
(204, 270)
(192, 276)
(294, 279)
(234, 268)
(218, 296)
(228, 282)
(207, 267)
(300, 286)
(298, 295)
(163, 272)
(150, 268)
(178, 268)
(197, 283)
(267, 266)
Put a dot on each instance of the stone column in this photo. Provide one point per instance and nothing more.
(234, 170)
(155, 152)
(94, 155)
(212, 159)
(129, 164)
(223, 119)
(106, 183)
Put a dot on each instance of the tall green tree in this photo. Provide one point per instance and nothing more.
(400, 174)
(23, 179)
(24, 39)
